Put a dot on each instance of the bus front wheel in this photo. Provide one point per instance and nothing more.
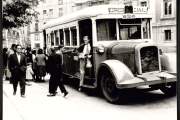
(110, 91)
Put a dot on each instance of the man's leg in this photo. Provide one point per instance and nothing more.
(60, 84)
(22, 83)
(15, 83)
(52, 85)
(82, 72)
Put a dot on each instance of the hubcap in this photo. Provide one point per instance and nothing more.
(110, 88)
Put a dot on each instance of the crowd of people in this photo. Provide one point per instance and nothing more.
(35, 58)
(25, 65)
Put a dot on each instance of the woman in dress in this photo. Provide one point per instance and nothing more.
(40, 64)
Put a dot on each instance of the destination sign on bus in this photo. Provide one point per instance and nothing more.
(139, 10)
(116, 10)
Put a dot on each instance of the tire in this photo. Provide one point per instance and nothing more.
(110, 91)
(170, 90)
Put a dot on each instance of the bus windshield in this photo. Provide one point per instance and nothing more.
(128, 29)
(132, 29)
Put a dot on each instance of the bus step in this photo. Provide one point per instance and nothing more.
(72, 77)
(88, 86)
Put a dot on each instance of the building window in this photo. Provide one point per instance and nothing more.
(37, 45)
(60, 12)
(144, 4)
(60, 2)
(51, 11)
(44, 13)
(17, 36)
(167, 35)
(37, 37)
(36, 16)
(73, 8)
(36, 26)
(44, 1)
(167, 7)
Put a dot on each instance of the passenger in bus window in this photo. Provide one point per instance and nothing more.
(84, 55)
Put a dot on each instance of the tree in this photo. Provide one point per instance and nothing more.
(17, 13)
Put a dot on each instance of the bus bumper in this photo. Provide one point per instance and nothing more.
(148, 79)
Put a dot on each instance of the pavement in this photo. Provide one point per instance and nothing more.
(37, 106)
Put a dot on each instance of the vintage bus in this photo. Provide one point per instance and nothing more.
(123, 53)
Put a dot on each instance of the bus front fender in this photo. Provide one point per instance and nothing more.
(168, 62)
(119, 70)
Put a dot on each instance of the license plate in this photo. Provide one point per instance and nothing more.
(130, 16)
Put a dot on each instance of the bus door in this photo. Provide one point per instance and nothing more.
(85, 29)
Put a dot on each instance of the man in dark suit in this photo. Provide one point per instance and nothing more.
(54, 66)
(17, 66)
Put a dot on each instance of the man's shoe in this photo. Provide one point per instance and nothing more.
(50, 95)
(23, 96)
(14, 93)
(65, 93)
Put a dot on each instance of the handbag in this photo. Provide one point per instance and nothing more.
(88, 63)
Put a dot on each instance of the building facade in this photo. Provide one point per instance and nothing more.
(11, 36)
(164, 27)
(48, 10)
(163, 11)
(16, 36)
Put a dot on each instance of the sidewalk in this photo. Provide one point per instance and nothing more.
(37, 106)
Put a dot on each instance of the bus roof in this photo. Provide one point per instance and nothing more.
(83, 14)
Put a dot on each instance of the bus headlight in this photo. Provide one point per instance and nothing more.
(100, 49)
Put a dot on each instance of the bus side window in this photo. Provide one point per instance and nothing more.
(73, 36)
(67, 37)
(61, 37)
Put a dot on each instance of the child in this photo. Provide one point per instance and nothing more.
(29, 73)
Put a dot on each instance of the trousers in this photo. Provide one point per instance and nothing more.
(55, 82)
(19, 77)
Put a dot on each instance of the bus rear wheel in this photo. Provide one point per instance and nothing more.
(110, 91)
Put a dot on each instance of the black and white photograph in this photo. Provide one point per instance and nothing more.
(89, 60)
